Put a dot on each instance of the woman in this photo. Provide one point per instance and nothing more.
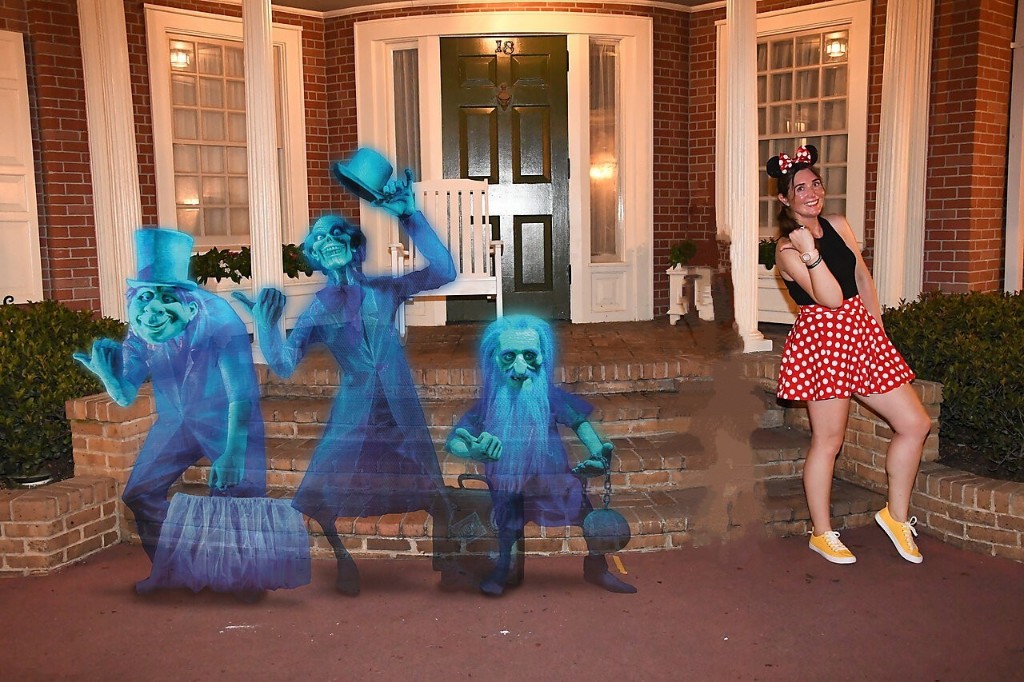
(838, 348)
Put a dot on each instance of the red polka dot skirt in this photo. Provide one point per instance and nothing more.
(839, 353)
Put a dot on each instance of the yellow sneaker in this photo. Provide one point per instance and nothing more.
(901, 534)
(829, 546)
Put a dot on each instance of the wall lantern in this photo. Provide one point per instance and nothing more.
(835, 48)
(180, 59)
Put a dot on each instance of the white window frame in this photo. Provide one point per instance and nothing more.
(161, 21)
(855, 17)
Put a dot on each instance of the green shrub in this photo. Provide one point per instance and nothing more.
(221, 264)
(37, 376)
(974, 345)
(682, 252)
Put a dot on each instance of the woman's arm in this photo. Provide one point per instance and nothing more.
(817, 280)
(865, 283)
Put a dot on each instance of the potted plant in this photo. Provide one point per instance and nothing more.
(681, 253)
(37, 377)
(766, 253)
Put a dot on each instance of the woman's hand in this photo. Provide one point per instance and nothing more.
(802, 239)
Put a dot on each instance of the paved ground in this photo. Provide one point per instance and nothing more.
(742, 611)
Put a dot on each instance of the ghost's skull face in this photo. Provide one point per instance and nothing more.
(330, 246)
(519, 358)
(158, 313)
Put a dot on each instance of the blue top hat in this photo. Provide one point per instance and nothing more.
(163, 258)
(365, 174)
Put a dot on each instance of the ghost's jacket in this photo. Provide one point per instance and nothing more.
(376, 455)
(195, 377)
(551, 494)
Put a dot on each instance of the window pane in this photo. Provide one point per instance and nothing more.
(188, 220)
(215, 222)
(210, 62)
(238, 191)
(605, 194)
(780, 120)
(186, 127)
(186, 158)
(782, 54)
(407, 109)
(239, 221)
(236, 127)
(234, 62)
(834, 113)
(213, 159)
(214, 191)
(237, 163)
(213, 126)
(186, 190)
(782, 87)
(211, 92)
(806, 118)
(236, 95)
(807, 84)
(808, 50)
(833, 81)
(183, 90)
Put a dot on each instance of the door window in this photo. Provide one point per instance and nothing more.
(605, 190)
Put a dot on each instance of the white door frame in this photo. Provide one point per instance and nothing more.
(625, 290)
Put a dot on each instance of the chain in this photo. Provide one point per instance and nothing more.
(607, 498)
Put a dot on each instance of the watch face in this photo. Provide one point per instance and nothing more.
(805, 257)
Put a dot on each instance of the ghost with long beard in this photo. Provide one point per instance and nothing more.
(513, 429)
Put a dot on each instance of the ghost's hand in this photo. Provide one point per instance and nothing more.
(398, 199)
(226, 471)
(268, 307)
(104, 360)
(483, 448)
(597, 464)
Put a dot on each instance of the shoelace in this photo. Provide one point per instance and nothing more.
(909, 526)
(832, 539)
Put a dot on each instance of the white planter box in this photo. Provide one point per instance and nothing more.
(773, 301)
(678, 305)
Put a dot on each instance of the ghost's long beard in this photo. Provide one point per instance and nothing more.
(519, 417)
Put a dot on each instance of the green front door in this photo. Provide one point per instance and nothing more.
(505, 120)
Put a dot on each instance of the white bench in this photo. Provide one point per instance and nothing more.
(458, 212)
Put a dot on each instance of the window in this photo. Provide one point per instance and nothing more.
(605, 191)
(197, 78)
(802, 98)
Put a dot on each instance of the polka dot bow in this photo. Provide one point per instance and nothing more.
(802, 155)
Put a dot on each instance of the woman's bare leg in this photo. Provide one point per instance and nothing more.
(910, 423)
(828, 429)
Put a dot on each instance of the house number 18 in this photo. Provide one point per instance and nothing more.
(504, 47)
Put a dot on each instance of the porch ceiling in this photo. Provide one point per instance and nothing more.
(334, 5)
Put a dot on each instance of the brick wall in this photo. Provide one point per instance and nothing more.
(61, 148)
(968, 128)
(46, 528)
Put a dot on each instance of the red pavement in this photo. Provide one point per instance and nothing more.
(764, 611)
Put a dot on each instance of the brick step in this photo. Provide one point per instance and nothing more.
(615, 414)
(455, 376)
(656, 462)
(779, 452)
(658, 519)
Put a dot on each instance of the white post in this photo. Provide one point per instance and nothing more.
(261, 135)
(1013, 280)
(741, 166)
(117, 206)
(903, 151)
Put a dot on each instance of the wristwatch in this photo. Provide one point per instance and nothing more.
(808, 256)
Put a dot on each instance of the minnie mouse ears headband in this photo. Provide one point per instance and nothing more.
(781, 165)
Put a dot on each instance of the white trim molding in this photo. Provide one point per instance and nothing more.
(1014, 254)
(113, 155)
(903, 151)
(372, 39)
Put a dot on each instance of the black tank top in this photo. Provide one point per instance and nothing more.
(840, 260)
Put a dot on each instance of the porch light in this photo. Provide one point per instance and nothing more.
(180, 59)
(835, 48)
(602, 171)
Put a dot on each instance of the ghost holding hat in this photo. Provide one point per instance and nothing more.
(376, 455)
(196, 351)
